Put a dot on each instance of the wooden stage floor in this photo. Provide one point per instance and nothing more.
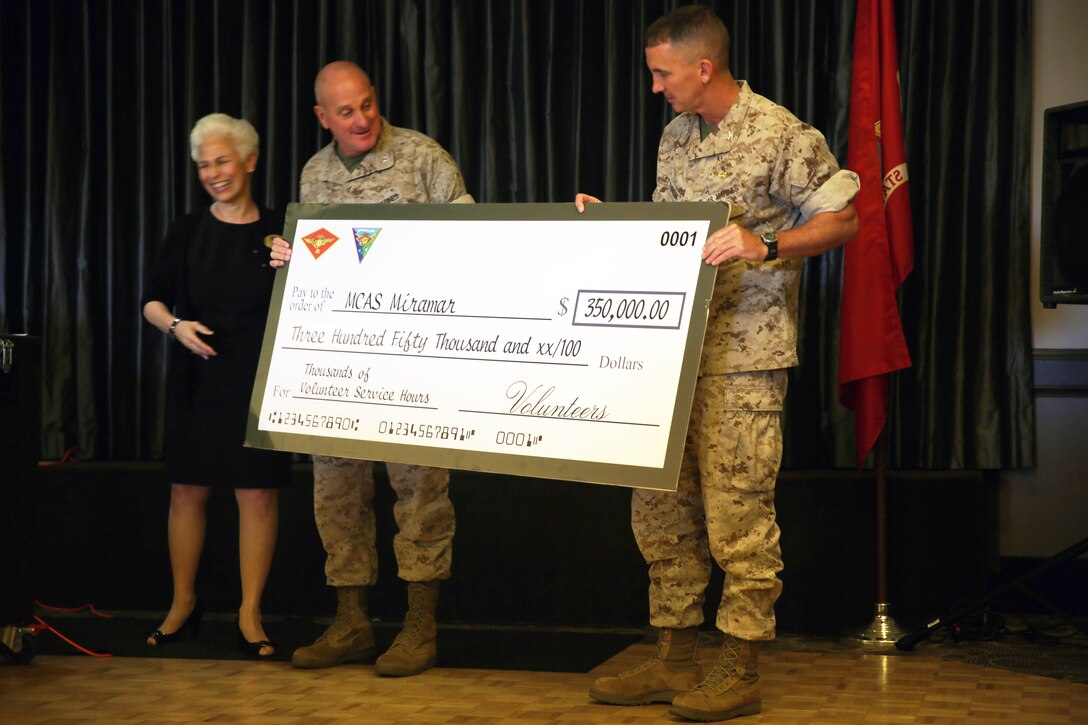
(799, 687)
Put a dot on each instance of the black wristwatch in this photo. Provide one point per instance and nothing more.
(771, 241)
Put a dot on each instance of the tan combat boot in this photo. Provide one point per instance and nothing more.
(670, 671)
(730, 690)
(349, 638)
(414, 648)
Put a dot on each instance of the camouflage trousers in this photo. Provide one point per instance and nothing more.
(723, 507)
(343, 492)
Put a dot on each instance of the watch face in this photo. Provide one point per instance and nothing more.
(771, 241)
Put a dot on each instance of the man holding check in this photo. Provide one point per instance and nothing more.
(728, 144)
(372, 162)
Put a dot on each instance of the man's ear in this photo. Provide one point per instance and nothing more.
(320, 113)
(706, 70)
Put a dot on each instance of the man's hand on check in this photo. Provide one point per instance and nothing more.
(580, 201)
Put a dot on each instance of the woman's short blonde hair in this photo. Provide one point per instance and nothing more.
(238, 130)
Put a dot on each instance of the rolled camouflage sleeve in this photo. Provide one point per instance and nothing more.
(833, 195)
(812, 180)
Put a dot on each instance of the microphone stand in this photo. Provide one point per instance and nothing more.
(907, 642)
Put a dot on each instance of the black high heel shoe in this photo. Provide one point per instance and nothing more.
(254, 648)
(190, 628)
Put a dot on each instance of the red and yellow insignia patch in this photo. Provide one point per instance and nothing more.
(319, 242)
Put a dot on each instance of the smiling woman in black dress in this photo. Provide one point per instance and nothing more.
(209, 291)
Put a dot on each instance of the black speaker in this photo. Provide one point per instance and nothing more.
(1063, 252)
(20, 444)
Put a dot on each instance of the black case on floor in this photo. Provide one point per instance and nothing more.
(20, 446)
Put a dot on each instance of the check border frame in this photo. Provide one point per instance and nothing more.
(664, 478)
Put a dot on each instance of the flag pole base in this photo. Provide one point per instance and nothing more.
(883, 629)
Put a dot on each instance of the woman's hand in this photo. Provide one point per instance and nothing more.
(188, 333)
(281, 250)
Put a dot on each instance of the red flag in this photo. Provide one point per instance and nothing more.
(871, 342)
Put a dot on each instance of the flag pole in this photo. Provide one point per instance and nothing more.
(871, 341)
(883, 629)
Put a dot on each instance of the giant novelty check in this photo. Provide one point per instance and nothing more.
(524, 339)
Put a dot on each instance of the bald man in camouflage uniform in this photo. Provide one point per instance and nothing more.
(372, 162)
(728, 144)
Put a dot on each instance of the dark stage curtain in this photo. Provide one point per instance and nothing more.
(536, 100)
